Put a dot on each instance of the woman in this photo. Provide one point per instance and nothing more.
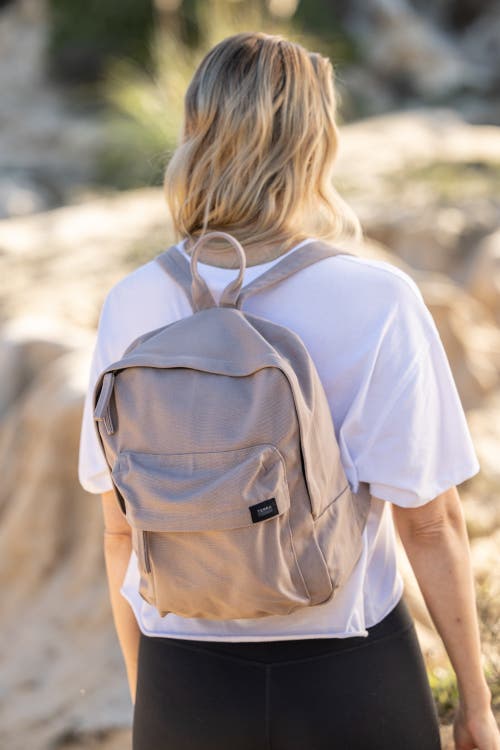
(255, 160)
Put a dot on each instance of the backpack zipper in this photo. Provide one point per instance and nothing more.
(145, 544)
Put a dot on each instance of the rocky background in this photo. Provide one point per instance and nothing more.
(420, 163)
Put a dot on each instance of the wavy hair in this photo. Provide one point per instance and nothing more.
(258, 146)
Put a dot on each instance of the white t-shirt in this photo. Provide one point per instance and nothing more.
(395, 407)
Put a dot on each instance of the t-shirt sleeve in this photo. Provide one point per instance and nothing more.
(93, 472)
(406, 434)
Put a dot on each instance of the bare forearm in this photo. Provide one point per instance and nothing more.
(440, 558)
(117, 548)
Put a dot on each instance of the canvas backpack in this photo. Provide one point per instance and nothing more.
(222, 451)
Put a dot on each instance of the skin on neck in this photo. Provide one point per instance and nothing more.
(225, 256)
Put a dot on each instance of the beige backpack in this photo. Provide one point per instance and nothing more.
(222, 452)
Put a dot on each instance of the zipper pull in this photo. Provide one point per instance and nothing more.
(102, 411)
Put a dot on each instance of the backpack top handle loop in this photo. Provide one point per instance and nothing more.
(231, 291)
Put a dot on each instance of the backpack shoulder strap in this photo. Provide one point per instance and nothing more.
(297, 260)
(178, 267)
(200, 296)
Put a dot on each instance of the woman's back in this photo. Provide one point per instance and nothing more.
(390, 393)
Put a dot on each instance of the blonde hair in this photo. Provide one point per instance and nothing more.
(258, 145)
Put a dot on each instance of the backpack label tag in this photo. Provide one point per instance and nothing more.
(263, 510)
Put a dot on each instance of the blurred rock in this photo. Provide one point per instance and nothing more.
(55, 608)
(483, 281)
(432, 53)
(80, 250)
(467, 329)
(27, 347)
(417, 138)
(20, 363)
(481, 40)
(406, 47)
(46, 148)
(363, 93)
(430, 239)
(470, 337)
(424, 183)
(26, 193)
(484, 423)
(480, 495)
(485, 557)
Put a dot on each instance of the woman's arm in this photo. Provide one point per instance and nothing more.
(117, 548)
(435, 539)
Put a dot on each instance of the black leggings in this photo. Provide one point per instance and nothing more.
(311, 694)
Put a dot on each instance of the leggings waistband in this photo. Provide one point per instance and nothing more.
(397, 621)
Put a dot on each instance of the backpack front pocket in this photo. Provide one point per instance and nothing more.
(214, 531)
